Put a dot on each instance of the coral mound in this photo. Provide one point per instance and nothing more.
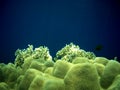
(71, 69)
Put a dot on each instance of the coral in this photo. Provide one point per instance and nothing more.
(116, 84)
(111, 70)
(30, 74)
(82, 77)
(100, 68)
(101, 60)
(71, 69)
(4, 86)
(37, 53)
(69, 52)
(78, 60)
(61, 68)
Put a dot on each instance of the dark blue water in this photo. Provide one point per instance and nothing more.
(54, 23)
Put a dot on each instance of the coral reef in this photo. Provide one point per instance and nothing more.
(71, 69)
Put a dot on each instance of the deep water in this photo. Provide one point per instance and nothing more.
(55, 23)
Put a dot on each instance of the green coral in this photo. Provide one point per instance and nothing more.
(4, 86)
(37, 53)
(111, 70)
(42, 52)
(22, 54)
(116, 84)
(82, 77)
(74, 69)
(70, 51)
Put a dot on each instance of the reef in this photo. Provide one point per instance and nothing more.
(71, 69)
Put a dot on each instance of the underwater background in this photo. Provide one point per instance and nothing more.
(55, 23)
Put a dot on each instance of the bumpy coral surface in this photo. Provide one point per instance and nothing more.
(71, 69)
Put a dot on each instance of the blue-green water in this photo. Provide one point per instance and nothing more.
(86, 23)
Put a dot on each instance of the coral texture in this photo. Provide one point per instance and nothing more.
(71, 69)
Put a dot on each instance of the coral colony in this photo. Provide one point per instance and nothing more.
(71, 69)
